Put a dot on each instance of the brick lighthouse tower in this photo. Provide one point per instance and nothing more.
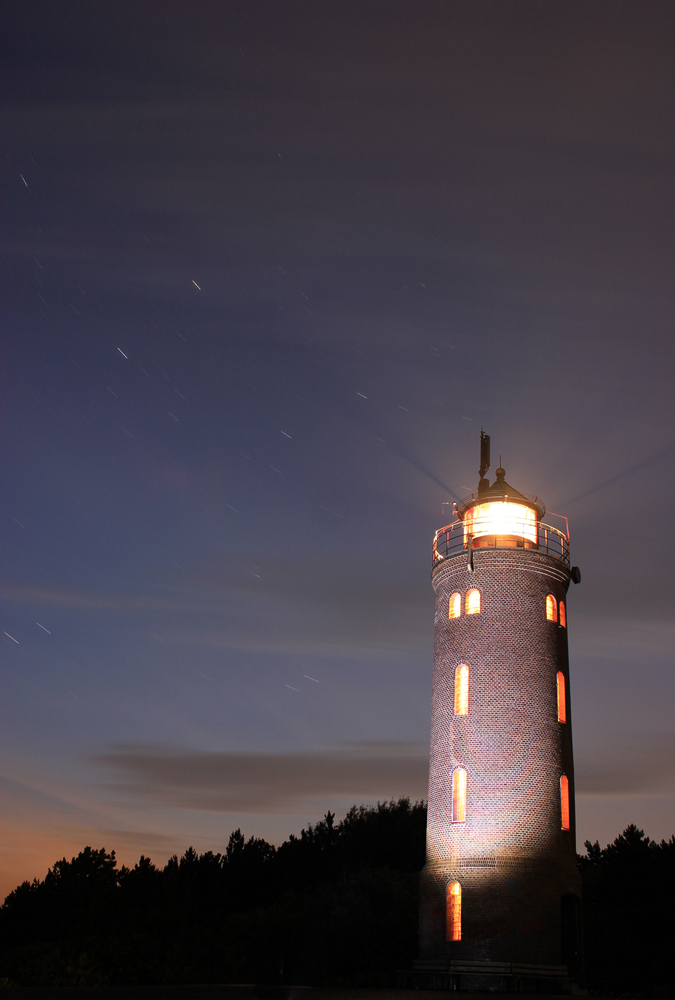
(500, 890)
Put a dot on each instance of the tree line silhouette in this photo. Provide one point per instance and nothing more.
(337, 905)
(629, 914)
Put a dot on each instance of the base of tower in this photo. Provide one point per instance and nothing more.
(497, 977)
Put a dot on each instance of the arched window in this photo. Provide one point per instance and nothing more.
(551, 608)
(472, 602)
(453, 912)
(462, 690)
(459, 795)
(563, 616)
(562, 701)
(455, 606)
(565, 802)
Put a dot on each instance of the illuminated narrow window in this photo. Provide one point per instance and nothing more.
(563, 616)
(472, 602)
(453, 912)
(565, 802)
(462, 690)
(459, 795)
(562, 701)
(551, 608)
(455, 608)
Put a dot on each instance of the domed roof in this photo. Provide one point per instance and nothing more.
(500, 490)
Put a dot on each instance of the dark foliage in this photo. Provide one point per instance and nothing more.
(336, 905)
(629, 914)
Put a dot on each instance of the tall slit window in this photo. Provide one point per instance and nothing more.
(562, 700)
(565, 802)
(472, 602)
(459, 795)
(453, 912)
(551, 608)
(455, 606)
(462, 690)
(563, 616)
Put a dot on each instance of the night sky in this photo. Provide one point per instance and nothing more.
(266, 269)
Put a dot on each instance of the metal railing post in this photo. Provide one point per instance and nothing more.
(451, 540)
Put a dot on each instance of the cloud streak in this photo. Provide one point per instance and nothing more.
(292, 604)
(253, 783)
(636, 766)
(283, 783)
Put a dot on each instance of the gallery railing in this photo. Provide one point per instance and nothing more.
(455, 539)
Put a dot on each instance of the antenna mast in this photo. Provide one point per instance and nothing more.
(484, 460)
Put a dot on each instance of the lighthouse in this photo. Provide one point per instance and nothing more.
(500, 891)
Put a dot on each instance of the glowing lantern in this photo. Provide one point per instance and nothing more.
(500, 519)
(500, 516)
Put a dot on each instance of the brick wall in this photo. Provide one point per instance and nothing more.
(511, 857)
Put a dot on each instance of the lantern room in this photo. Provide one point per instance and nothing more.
(497, 516)
(500, 516)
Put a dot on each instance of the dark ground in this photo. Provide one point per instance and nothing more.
(246, 992)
